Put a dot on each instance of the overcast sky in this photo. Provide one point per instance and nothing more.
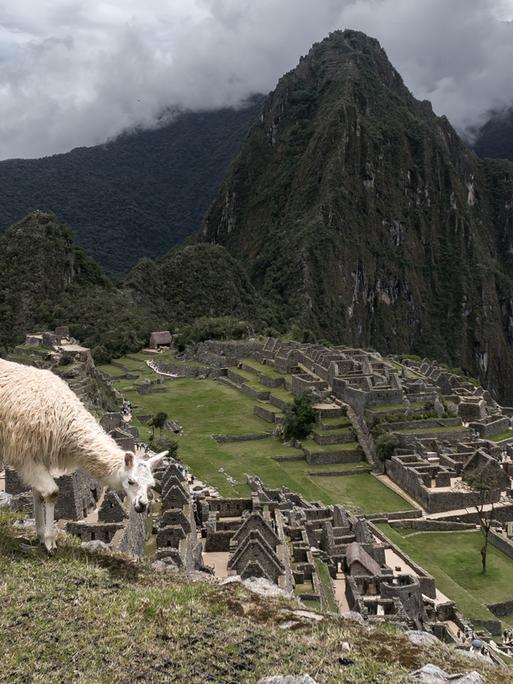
(78, 72)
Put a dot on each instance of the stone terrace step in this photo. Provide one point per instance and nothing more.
(333, 437)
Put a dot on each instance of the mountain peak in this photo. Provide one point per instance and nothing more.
(366, 219)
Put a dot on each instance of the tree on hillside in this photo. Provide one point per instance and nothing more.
(299, 419)
(158, 421)
(484, 481)
(386, 444)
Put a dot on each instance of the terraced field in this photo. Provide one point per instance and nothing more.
(210, 407)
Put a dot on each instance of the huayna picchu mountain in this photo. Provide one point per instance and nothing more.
(367, 219)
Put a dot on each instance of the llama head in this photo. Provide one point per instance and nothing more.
(137, 478)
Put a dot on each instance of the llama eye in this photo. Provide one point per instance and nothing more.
(131, 482)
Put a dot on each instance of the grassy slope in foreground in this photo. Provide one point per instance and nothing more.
(102, 619)
(455, 562)
(206, 407)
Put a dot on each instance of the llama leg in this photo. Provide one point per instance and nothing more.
(41, 480)
(39, 515)
(50, 531)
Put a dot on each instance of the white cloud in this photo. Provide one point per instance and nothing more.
(76, 72)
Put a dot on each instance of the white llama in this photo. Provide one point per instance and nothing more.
(45, 431)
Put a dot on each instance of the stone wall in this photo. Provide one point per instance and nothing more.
(332, 457)
(230, 508)
(501, 542)
(265, 414)
(135, 534)
(182, 370)
(228, 439)
(427, 582)
(78, 493)
(501, 513)
(431, 500)
(431, 525)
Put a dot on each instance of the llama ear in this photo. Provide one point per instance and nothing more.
(129, 459)
(156, 460)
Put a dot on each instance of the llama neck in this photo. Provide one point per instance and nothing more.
(98, 454)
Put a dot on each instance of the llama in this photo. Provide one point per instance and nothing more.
(46, 431)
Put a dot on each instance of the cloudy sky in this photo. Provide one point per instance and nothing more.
(78, 72)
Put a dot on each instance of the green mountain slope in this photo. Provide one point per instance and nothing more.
(137, 195)
(192, 281)
(45, 280)
(367, 220)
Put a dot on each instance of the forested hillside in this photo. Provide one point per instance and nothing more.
(135, 196)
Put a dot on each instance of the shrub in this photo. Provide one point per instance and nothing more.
(386, 445)
(299, 419)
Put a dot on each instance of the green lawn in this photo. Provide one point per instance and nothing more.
(507, 434)
(340, 421)
(455, 562)
(282, 393)
(206, 407)
(112, 370)
(430, 430)
(262, 368)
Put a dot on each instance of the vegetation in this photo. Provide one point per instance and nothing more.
(137, 195)
(45, 281)
(158, 421)
(197, 282)
(115, 621)
(386, 445)
(299, 419)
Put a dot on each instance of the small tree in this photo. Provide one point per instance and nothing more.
(484, 481)
(386, 444)
(299, 419)
(158, 421)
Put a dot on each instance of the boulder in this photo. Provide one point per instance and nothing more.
(431, 674)
(95, 545)
(419, 638)
(5, 500)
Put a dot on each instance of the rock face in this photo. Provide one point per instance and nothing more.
(366, 218)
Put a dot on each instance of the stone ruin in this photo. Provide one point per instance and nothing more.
(278, 535)
(176, 533)
(59, 341)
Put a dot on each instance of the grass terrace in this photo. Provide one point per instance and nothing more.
(207, 407)
(499, 437)
(263, 368)
(431, 430)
